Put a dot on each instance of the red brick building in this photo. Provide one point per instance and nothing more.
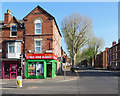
(114, 56)
(105, 64)
(37, 33)
(12, 46)
(99, 60)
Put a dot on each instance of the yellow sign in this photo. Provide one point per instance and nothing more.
(19, 83)
(65, 66)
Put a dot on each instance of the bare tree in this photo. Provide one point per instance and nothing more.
(92, 48)
(96, 44)
(76, 30)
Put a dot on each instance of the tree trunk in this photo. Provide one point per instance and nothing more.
(73, 59)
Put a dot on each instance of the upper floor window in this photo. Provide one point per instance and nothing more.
(11, 47)
(38, 26)
(38, 46)
(13, 30)
(14, 47)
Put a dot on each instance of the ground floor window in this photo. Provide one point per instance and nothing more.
(10, 70)
(35, 68)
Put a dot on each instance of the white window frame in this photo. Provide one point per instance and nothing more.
(13, 31)
(38, 21)
(9, 46)
(38, 46)
(15, 46)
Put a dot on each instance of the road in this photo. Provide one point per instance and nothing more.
(82, 82)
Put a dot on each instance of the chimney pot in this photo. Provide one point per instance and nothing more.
(114, 43)
(9, 12)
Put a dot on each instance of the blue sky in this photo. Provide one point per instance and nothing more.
(103, 14)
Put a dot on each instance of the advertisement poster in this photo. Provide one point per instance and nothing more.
(39, 69)
(31, 69)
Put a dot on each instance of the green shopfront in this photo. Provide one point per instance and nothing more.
(38, 66)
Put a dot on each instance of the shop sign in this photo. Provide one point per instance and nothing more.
(41, 56)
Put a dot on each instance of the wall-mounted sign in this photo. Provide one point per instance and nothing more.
(41, 56)
(49, 51)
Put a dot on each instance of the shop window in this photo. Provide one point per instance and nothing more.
(35, 68)
(31, 69)
(13, 30)
(6, 70)
(38, 26)
(39, 69)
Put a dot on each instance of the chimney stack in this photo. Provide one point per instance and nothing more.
(7, 17)
(119, 41)
(114, 43)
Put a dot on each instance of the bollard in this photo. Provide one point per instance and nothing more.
(19, 81)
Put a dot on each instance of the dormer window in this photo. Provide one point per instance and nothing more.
(38, 26)
(13, 30)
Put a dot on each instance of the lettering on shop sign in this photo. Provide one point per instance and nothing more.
(41, 56)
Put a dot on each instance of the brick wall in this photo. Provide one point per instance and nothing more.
(6, 36)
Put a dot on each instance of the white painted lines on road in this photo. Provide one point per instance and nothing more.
(64, 80)
(3, 83)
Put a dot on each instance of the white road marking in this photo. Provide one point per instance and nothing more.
(64, 80)
(3, 83)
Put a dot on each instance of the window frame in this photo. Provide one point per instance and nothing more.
(39, 22)
(13, 30)
(15, 47)
(38, 46)
(9, 48)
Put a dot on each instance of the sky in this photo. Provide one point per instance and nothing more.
(103, 14)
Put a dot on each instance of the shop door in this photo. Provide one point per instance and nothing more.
(49, 69)
(13, 71)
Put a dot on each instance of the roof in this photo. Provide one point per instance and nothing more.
(114, 46)
(19, 22)
(47, 14)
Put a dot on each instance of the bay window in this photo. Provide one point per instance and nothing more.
(11, 47)
(14, 49)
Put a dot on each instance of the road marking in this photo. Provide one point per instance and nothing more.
(64, 80)
(3, 83)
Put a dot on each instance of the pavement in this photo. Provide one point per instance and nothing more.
(80, 82)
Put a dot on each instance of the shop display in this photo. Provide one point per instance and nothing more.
(35, 68)
(31, 69)
(39, 69)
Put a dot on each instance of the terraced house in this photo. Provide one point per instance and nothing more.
(32, 45)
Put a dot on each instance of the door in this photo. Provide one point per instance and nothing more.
(49, 69)
(13, 71)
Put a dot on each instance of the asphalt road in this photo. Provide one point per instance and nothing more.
(84, 82)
